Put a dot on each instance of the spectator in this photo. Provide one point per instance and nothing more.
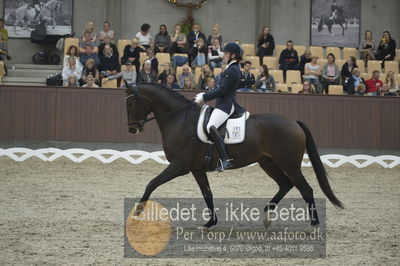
(188, 84)
(89, 53)
(107, 41)
(147, 74)
(3, 40)
(330, 73)
(144, 37)
(128, 75)
(307, 88)
(348, 67)
(304, 59)
(367, 47)
(312, 73)
(170, 83)
(265, 44)
(90, 69)
(386, 92)
(360, 90)
(178, 45)
(351, 84)
(265, 82)
(87, 40)
(247, 79)
(186, 73)
(210, 84)
(109, 63)
(162, 41)
(90, 82)
(215, 55)
(132, 54)
(89, 29)
(374, 85)
(106, 32)
(219, 75)
(205, 74)
(168, 69)
(391, 82)
(288, 60)
(71, 69)
(71, 52)
(386, 49)
(71, 81)
(215, 34)
(199, 53)
(194, 35)
(153, 59)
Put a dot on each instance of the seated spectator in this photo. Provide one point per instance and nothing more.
(289, 60)
(307, 88)
(168, 69)
(219, 75)
(71, 81)
(90, 82)
(106, 32)
(153, 59)
(360, 90)
(186, 73)
(107, 41)
(144, 37)
(128, 75)
(170, 83)
(89, 28)
(265, 44)
(215, 35)
(87, 40)
(71, 69)
(199, 53)
(3, 41)
(188, 84)
(89, 53)
(330, 73)
(215, 55)
(367, 47)
(386, 49)
(392, 83)
(351, 84)
(162, 41)
(386, 92)
(304, 59)
(210, 84)
(109, 64)
(147, 74)
(247, 79)
(347, 68)
(71, 52)
(132, 54)
(373, 85)
(205, 74)
(90, 69)
(312, 73)
(178, 41)
(265, 82)
(193, 36)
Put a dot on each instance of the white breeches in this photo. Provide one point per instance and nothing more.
(218, 117)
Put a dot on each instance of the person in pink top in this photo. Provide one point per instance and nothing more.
(374, 85)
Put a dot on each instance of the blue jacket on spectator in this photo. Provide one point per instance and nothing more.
(192, 38)
(84, 57)
(110, 63)
(246, 80)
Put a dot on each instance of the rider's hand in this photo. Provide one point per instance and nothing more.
(199, 98)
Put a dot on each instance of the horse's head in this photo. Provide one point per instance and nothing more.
(138, 108)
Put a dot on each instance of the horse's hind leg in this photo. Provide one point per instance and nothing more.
(202, 181)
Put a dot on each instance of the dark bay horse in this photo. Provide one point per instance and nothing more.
(329, 22)
(276, 143)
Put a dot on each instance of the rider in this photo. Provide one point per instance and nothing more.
(225, 101)
(334, 10)
(37, 5)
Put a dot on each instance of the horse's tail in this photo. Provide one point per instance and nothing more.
(319, 168)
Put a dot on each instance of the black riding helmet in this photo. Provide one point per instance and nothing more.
(233, 48)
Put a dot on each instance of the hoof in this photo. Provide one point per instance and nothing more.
(267, 222)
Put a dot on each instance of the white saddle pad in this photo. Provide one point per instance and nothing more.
(235, 128)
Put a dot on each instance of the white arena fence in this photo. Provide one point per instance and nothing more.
(137, 157)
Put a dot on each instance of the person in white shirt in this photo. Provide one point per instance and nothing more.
(144, 36)
(90, 82)
(106, 32)
(312, 73)
(71, 69)
(215, 54)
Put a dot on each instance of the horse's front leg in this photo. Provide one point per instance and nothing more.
(169, 173)
(202, 181)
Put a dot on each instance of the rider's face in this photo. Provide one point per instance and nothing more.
(227, 56)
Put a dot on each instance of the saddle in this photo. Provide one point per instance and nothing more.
(232, 131)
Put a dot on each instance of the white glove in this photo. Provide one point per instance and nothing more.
(199, 98)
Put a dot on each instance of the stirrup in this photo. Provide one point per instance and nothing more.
(224, 164)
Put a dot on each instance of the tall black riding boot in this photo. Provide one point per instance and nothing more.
(225, 161)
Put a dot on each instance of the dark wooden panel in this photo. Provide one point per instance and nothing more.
(76, 114)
